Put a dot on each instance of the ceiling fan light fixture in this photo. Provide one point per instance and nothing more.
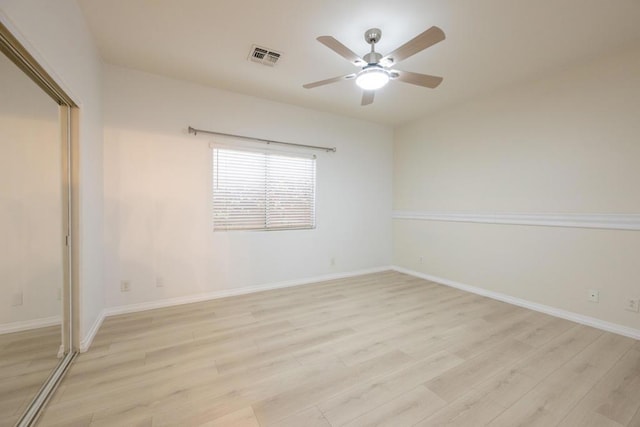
(376, 69)
(372, 77)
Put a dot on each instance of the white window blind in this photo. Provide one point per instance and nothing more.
(255, 190)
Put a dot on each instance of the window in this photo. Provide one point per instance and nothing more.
(257, 190)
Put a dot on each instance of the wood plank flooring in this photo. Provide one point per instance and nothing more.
(384, 349)
(26, 361)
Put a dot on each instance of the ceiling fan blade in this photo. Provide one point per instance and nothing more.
(367, 97)
(328, 81)
(340, 49)
(418, 79)
(419, 43)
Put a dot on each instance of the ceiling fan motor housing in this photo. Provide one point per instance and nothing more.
(372, 58)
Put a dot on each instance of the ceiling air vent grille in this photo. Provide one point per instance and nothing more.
(264, 56)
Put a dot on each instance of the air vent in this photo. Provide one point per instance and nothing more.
(264, 56)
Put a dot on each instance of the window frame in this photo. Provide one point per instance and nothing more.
(265, 151)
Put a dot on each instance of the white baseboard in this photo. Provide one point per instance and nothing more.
(553, 311)
(169, 302)
(86, 341)
(132, 308)
(27, 325)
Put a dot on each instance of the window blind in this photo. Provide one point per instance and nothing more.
(262, 190)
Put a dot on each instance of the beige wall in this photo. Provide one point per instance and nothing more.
(565, 144)
(158, 212)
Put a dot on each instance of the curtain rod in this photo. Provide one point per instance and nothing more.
(266, 141)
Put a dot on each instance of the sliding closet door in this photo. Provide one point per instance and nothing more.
(31, 246)
(36, 296)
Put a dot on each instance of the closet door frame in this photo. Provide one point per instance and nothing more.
(68, 114)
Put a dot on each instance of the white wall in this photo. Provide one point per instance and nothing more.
(158, 192)
(30, 203)
(565, 144)
(56, 35)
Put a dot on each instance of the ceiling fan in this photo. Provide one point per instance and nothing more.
(376, 69)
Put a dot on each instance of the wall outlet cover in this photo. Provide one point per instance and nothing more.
(633, 305)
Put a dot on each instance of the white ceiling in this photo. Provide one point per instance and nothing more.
(490, 44)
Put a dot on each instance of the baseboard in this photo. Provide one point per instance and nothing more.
(27, 325)
(133, 308)
(553, 311)
(85, 343)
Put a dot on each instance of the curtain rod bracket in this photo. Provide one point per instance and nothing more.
(264, 141)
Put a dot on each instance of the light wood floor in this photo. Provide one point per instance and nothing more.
(26, 361)
(382, 349)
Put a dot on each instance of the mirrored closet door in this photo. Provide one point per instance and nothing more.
(34, 249)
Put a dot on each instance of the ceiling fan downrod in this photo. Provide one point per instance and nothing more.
(372, 36)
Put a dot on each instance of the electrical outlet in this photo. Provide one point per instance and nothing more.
(17, 299)
(633, 305)
(421, 259)
(593, 295)
(159, 282)
(333, 261)
(125, 286)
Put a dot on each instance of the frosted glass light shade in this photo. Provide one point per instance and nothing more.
(372, 78)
